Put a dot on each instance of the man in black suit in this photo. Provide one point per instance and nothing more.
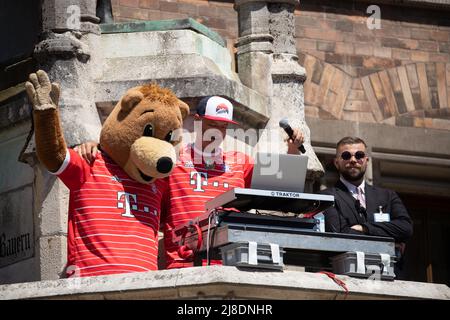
(360, 208)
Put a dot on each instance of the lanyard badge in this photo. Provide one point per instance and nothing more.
(381, 216)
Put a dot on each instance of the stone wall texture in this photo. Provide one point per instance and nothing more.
(398, 74)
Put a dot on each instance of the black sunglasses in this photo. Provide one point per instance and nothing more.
(358, 155)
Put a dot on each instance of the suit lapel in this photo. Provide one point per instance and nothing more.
(348, 199)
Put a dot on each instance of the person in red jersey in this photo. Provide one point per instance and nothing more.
(202, 172)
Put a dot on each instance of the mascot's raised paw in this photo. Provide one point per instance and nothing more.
(42, 94)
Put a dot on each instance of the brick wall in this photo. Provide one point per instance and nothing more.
(398, 75)
(216, 15)
(340, 36)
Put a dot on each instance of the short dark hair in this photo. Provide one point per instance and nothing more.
(350, 140)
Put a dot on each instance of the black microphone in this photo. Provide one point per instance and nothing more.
(284, 123)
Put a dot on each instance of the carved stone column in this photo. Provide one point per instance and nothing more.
(268, 63)
(254, 45)
(66, 53)
(70, 15)
(288, 77)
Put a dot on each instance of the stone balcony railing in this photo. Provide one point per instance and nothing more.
(222, 282)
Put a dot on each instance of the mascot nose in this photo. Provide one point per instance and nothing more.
(164, 165)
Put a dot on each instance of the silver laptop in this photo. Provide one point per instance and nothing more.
(281, 172)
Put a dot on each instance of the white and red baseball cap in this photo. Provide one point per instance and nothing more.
(216, 108)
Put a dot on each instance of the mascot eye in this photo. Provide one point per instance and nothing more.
(148, 131)
(168, 137)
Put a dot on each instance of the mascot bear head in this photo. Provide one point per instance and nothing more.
(140, 133)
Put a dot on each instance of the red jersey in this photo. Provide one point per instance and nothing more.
(113, 220)
(192, 183)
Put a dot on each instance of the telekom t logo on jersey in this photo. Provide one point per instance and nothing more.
(124, 199)
(200, 179)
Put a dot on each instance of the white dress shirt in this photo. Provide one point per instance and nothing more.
(354, 190)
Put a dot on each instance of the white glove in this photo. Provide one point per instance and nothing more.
(42, 94)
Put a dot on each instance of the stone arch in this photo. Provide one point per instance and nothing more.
(415, 94)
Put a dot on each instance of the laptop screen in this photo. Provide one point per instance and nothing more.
(281, 172)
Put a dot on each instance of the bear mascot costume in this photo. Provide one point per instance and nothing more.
(115, 202)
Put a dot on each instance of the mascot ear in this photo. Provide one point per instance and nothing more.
(131, 99)
(184, 108)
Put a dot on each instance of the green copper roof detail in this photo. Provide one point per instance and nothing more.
(162, 25)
